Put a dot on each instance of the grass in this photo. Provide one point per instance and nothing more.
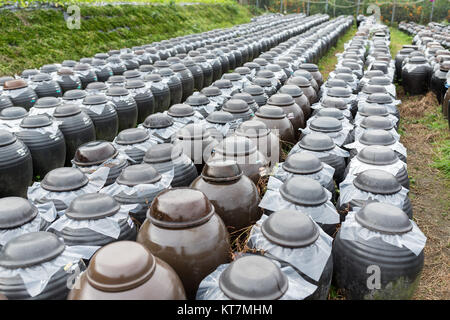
(28, 3)
(398, 39)
(30, 39)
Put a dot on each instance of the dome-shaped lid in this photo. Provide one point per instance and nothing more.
(153, 77)
(120, 266)
(188, 62)
(334, 103)
(132, 136)
(373, 73)
(98, 62)
(281, 99)
(303, 191)
(339, 92)
(138, 174)
(270, 112)
(381, 98)
(193, 131)
(36, 121)
(303, 73)
(180, 110)
(41, 77)
(75, 94)
(15, 84)
(265, 73)
(221, 171)
(176, 67)
(92, 206)
(380, 81)
(101, 55)
(253, 129)
(254, 90)
(157, 121)
(372, 88)
(316, 141)
(81, 67)
(116, 91)
(377, 181)
(234, 76)
(130, 74)
(377, 137)
(161, 64)
(97, 86)
(417, 60)
(220, 117)
(211, 91)
(64, 179)
(343, 69)
(47, 102)
(6, 138)
(292, 90)
(95, 99)
(290, 228)
(236, 146)
(49, 68)
(15, 212)
(147, 68)
(244, 96)
(162, 152)
(134, 84)
(165, 72)
(309, 67)
(235, 106)
(12, 113)
(302, 163)
(197, 100)
(116, 79)
(330, 112)
(223, 84)
(31, 249)
(384, 218)
(299, 81)
(253, 277)
(377, 155)
(326, 124)
(94, 152)
(66, 110)
(65, 72)
(179, 208)
(28, 73)
(376, 122)
(262, 62)
(336, 82)
(243, 70)
(373, 110)
(263, 82)
(344, 77)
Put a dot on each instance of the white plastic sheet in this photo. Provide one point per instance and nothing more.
(359, 131)
(339, 137)
(324, 176)
(397, 146)
(355, 167)
(337, 151)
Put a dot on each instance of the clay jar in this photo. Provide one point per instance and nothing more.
(183, 229)
(275, 119)
(20, 93)
(238, 108)
(126, 107)
(306, 87)
(127, 270)
(234, 196)
(300, 99)
(292, 110)
(129, 139)
(314, 70)
(104, 116)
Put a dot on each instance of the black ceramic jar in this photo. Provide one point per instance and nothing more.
(104, 116)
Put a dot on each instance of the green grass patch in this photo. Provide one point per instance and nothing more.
(398, 39)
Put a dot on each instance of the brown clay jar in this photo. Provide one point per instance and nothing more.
(275, 119)
(293, 112)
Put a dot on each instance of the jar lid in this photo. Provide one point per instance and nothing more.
(254, 90)
(303, 73)
(244, 96)
(15, 84)
(381, 98)
(221, 171)
(134, 84)
(243, 70)
(95, 99)
(290, 228)
(193, 131)
(6, 138)
(31, 249)
(343, 69)
(98, 62)
(253, 129)
(270, 112)
(138, 174)
(180, 110)
(120, 266)
(235, 106)
(309, 67)
(197, 100)
(373, 110)
(417, 60)
(41, 77)
(317, 141)
(164, 72)
(233, 76)
(15, 212)
(299, 81)
(331, 83)
(47, 102)
(94, 153)
(377, 137)
(176, 67)
(293, 91)
(236, 146)
(372, 89)
(12, 113)
(75, 94)
(147, 68)
(380, 81)
(263, 82)
(97, 86)
(339, 92)
(302, 163)
(66, 110)
(101, 55)
(157, 121)
(265, 73)
(49, 68)
(153, 77)
(180, 208)
(92, 206)
(131, 74)
(377, 155)
(64, 179)
(331, 112)
(223, 84)
(377, 181)
(162, 152)
(36, 121)
(28, 73)
(344, 77)
(262, 62)
(303, 191)
(377, 122)
(116, 91)
(325, 124)
(384, 218)
(253, 277)
(116, 79)
(373, 73)
(65, 72)
(132, 136)
(281, 99)
(211, 91)
(82, 67)
(220, 117)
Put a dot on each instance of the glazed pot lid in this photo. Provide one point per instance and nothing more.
(197, 100)
(92, 206)
(254, 90)
(243, 70)
(127, 56)
(95, 99)
(12, 113)
(180, 110)
(377, 122)
(193, 131)
(162, 152)
(132, 136)
(149, 68)
(164, 72)
(317, 141)
(157, 121)
(81, 67)
(116, 92)
(263, 82)
(153, 77)
(199, 59)
(381, 98)
(180, 208)
(102, 56)
(262, 62)
(138, 174)
(345, 77)
(41, 77)
(281, 99)
(270, 112)
(377, 155)
(252, 65)
(303, 73)
(417, 60)
(47, 102)
(380, 81)
(161, 64)
(6, 138)
(234, 76)
(331, 112)
(235, 106)
(188, 62)
(302, 163)
(98, 62)
(134, 84)
(223, 84)
(282, 64)
(336, 83)
(75, 94)
(343, 69)
(116, 79)
(377, 137)
(303, 191)
(211, 91)
(253, 277)
(130, 74)
(14, 84)
(244, 96)
(120, 266)
(384, 218)
(64, 179)
(373, 73)
(66, 110)
(15, 212)
(290, 228)
(325, 124)
(309, 67)
(373, 110)
(221, 171)
(49, 68)
(339, 92)
(177, 67)
(94, 152)
(220, 117)
(65, 72)
(371, 89)
(266, 74)
(334, 102)
(236, 146)
(31, 249)
(97, 86)
(299, 81)
(36, 121)
(253, 129)
(292, 90)
(28, 73)
(377, 181)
